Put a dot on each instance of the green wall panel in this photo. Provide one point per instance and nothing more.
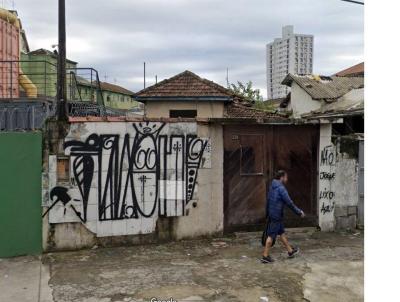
(20, 193)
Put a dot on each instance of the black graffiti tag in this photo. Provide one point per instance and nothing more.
(327, 156)
(61, 195)
(327, 176)
(130, 169)
(326, 194)
(327, 208)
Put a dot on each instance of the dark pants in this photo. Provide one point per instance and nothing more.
(275, 228)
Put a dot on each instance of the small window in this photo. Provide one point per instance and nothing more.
(251, 155)
(63, 169)
(183, 113)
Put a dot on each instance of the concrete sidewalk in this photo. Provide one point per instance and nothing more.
(24, 279)
(329, 269)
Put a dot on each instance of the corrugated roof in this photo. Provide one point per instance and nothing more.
(352, 103)
(185, 85)
(356, 70)
(325, 88)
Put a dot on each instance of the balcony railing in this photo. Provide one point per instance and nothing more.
(83, 85)
(38, 80)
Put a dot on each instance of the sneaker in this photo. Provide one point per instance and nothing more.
(267, 259)
(295, 251)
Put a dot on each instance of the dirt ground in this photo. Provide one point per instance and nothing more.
(329, 268)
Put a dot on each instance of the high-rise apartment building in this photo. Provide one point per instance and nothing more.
(293, 53)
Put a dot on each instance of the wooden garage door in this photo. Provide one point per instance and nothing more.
(251, 155)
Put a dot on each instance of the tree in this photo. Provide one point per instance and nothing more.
(247, 91)
(251, 94)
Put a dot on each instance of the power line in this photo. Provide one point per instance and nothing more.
(352, 1)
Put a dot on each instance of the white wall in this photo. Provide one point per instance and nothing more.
(346, 187)
(166, 170)
(338, 185)
(207, 217)
(346, 181)
(326, 182)
(301, 102)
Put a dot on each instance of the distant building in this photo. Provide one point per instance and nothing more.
(293, 53)
(118, 97)
(40, 66)
(82, 85)
(114, 96)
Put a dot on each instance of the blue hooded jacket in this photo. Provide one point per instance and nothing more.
(277, 198)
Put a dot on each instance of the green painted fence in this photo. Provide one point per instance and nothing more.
(20, 193)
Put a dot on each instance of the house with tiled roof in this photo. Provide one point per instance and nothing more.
(353, 71)
(187, 95)
(247, 145)
(198, 163)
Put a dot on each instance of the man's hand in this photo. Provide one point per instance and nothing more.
(302, 214)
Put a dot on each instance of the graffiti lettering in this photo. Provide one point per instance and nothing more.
(327, 178)
(326, 208)
(139, 174)
(326, 194)
(327, 175)
(327, 156)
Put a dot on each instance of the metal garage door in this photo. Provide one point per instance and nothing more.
(20, 193)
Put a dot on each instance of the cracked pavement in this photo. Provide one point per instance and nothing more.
(329, 268)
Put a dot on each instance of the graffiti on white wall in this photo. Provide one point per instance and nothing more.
(123, 176)
(326, 180)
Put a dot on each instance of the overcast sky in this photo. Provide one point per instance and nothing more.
(204, 36)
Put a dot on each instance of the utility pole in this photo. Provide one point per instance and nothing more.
(61, 70)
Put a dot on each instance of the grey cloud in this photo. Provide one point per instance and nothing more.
(205, 36)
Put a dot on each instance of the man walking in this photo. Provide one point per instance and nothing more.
(278, 197)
